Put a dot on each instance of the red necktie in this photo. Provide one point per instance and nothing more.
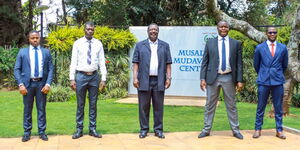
(272, 49)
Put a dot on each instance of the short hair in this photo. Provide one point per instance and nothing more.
(33, 31)
(267, 28)
(152, 24)
(222, 21)
(90, 23)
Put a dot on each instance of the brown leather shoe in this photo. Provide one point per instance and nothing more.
(280, 135)
(257, 134)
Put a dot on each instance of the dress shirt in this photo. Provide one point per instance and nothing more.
(80, 55)
(270, 47)
(32, 61)
(154, 58)
(220, 41)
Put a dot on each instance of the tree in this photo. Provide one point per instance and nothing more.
(293, 71)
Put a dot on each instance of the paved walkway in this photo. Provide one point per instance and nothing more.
(220, 140)
(171, 100)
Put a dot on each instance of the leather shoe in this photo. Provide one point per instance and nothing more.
(25, 138)
(95, 134)
(238, 136)
(203, 134)
(44, 137)
(143, 134)
(256, 134)
(77, 134)
(159, 135)
(280, 135)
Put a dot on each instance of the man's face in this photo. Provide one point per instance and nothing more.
(89, 31)
(272, 34)
(34, 39)
(153, 32)
(223, 29)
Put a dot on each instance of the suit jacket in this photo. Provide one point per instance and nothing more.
(22, 69)
(211, 60)
(270, 69)
(142, 56)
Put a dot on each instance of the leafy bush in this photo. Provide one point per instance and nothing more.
(296, 100)
(59, 94)
(7, 61)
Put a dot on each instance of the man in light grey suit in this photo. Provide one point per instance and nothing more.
(221, 67)
(152, 75)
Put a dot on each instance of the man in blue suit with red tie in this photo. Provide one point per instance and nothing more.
(270, 63)
(34, 73)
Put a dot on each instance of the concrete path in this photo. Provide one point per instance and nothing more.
(171, 100)
(219, 140)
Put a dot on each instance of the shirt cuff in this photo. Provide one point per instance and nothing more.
(103, 77)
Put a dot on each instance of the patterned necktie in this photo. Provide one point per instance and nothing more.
(223, 67)
(272, 49)
(89, 52)
(36, 62)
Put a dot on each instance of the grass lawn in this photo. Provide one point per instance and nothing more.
(123, 118)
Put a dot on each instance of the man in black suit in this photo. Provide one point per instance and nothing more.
(34, 73)
(221, 67)
(151, 76)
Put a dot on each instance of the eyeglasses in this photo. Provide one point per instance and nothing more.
(272, 32)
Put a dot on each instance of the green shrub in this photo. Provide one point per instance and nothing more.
(59, 94)
(7, 62)
(296, 100)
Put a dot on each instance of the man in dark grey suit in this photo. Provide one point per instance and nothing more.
(151, 76)
(221, 67)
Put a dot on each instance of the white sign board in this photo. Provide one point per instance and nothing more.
(187, 45)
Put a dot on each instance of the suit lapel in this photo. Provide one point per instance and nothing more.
(230, 46)
(27, 56)
(267, 51)
(216, 49)
(159, 51)
(146, 43)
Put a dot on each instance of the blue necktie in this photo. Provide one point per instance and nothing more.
(223, 67)
(36, 62)
(89, 53)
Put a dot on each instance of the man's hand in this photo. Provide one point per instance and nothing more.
(22, 90)
(73, 85)
(136, 83)
(203, 85)
(168, 83)
(46, 89)
(239, 86)
(101, 86)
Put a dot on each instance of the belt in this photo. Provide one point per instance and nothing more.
(35, 79)
(87, 73)
(224, 73)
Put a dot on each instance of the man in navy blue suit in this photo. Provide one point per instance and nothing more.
(34, 73)
(270, 63)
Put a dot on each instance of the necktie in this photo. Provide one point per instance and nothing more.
(89, 53)
(36, 62)
(223, 67)
(272, 49)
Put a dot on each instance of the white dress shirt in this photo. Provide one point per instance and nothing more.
(154, 58)
(32, 61)
(270, 47)
(220, 41)
(80, 55)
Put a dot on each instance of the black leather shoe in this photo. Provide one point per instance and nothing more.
(159, 135)
(143, 134)
(95, 134)
(238, 136)
(77, 135)
(203, 134)
(44, 137)
(25, 138)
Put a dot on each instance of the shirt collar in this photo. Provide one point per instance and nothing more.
(31, 47)
(150, 42)
(220, 38)
(269, 43)
(88, 40)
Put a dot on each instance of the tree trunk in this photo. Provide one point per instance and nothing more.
(293, 71)
(64, 11)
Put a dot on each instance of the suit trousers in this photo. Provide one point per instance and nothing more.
(263, 95)
(86, 83)
(144, 98)
(213, 94)
(34, 91)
